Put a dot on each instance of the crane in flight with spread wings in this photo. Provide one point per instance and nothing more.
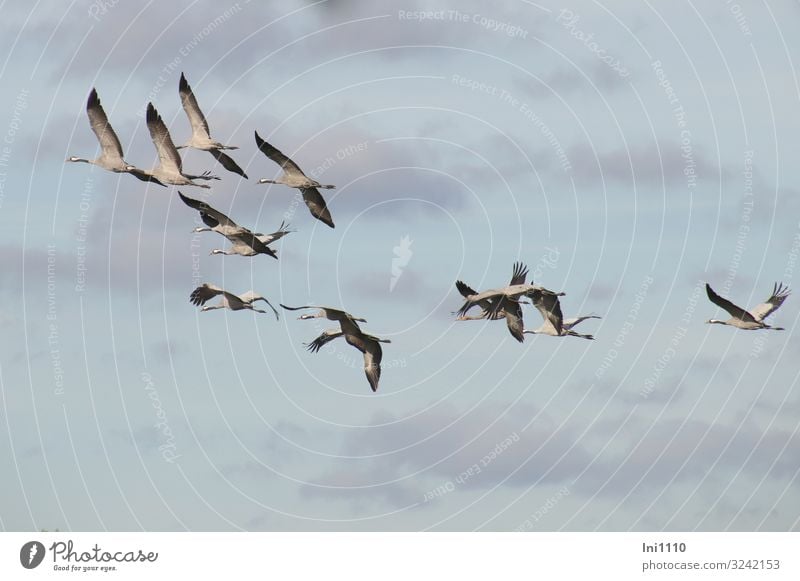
(754, 318)
(294, 177)
(111, 156)
(245, 242)
(205, 292)
(554, 323)
(369, 345)
(201, 137)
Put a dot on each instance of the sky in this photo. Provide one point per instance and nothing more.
(628, 153)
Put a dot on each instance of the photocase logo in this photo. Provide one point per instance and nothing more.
(31, 554)
(402, 255)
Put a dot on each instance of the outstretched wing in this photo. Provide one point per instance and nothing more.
(732, 309)
(317, 206)
(764, 310)
(193, 112)
(282, 231)
(465, 290)
(570, 323)
(167, 154)
(325, 337)
(211, 217)
(112, 149)
(488, 305)
(519, 274)
(373, 354)
(478, 299)
(227, 162)
(275, 155)
(513, 313)
(202, 294)
(549, 307)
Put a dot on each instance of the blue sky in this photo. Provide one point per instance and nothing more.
(627, 153)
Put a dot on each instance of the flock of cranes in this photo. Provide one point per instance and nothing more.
(503, 303)
(243, 242)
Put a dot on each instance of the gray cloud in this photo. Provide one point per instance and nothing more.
(674, 451)
(648, 163)
(439, 445)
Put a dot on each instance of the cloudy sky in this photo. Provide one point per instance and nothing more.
(626, 152)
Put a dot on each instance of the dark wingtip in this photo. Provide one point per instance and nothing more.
(186, 199)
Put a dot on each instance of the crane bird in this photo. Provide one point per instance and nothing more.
(219, 222)
(753, 319)
(554, 323)
(347, 322)
(369, 345)
(496, 308)
(111, 158)
(294, 177)
(201, 138)
(245, 242)
(170, 167)
(205, 292)
(513, 291)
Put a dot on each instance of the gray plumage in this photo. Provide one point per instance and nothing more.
(201, 137)
(554, 323)
(244, 242)
(753, 319)
(111, 156)
(170, 167)
(294, 177)
(205, 292)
